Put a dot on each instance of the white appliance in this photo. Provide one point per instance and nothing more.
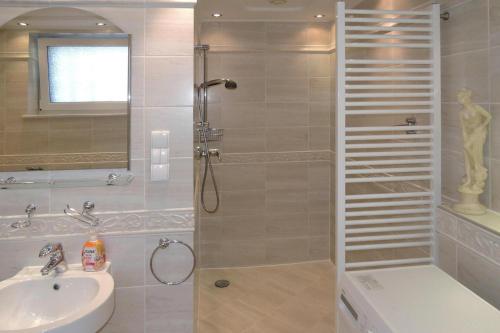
(420, 299)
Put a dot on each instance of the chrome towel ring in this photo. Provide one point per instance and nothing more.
(164, 244)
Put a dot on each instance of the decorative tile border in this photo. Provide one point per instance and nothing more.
(469, 235)
(180, 220)
(299, 156)
(63, 158)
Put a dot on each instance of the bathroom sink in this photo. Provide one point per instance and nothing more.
(69, 302)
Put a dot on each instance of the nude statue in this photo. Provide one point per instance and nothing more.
(475, 121)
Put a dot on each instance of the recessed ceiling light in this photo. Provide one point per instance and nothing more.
(100, 24)
(217, 14)
(318, 16)
(22, 24)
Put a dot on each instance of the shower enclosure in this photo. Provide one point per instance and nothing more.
(320, 166)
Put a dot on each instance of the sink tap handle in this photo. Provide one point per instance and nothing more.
(88, 206)
(49, 249)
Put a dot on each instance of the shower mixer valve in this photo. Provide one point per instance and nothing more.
(199, 152)
(215, 152)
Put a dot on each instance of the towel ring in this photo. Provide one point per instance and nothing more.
(164, 244)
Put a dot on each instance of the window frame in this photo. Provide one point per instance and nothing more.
(45, 106)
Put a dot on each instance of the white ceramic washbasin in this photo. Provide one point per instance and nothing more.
(70, 302)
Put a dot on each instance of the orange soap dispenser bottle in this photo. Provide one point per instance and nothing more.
(93, 254)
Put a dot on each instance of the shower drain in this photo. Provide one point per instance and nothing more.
(222, 283)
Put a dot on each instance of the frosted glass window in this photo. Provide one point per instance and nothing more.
(87, 73)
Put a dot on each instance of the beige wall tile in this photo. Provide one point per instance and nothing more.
(287, 90)
(137, 144)
(319, 65)
(320, 114)
(494, 23)
(468, 30)
(287, 250)
(243, 202)
(127, 254)
(169, 31)
(242, 65)
(494, 74)
(287, 139)
(287, 176)
(319, 34)
(447, 254)
(244, 227)
(286, 65)
(243, 253)
(320, 89)
(244, 140)
(495, 184)
(465, 70)
(241, 177)
(176, 192)
(138, 81)
(319, 175)
(169, 307)
(169, 81)
(287, 34)
(287, 114)
(241, 115)
(319, 224)
(319, 138)
(128, 316)
(286, 201)
(290, 225)
(319, 248)
(479, 275)
(26, 142)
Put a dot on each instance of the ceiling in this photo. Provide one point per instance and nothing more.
(60, 19)
(266, 10)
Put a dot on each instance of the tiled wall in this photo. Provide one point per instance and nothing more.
(471, 53)
(470, 254)
(275, 173)
(162, 82)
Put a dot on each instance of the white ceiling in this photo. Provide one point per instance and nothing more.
(264, 10)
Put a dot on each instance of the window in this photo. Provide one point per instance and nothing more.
(80, 75)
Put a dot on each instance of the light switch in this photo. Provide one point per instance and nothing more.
(160, 155)
(160, 139)
(160, 172)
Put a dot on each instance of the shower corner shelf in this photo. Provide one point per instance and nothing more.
(213, 134)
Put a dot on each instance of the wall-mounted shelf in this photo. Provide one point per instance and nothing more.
(112, 179)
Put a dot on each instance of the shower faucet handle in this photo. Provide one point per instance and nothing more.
(215, 152)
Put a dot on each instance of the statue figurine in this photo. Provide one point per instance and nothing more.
(475, 121)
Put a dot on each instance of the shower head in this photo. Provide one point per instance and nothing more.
(229, 84)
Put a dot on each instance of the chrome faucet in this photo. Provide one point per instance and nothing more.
(56, 258)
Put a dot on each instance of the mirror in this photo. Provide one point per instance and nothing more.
(64, 92)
